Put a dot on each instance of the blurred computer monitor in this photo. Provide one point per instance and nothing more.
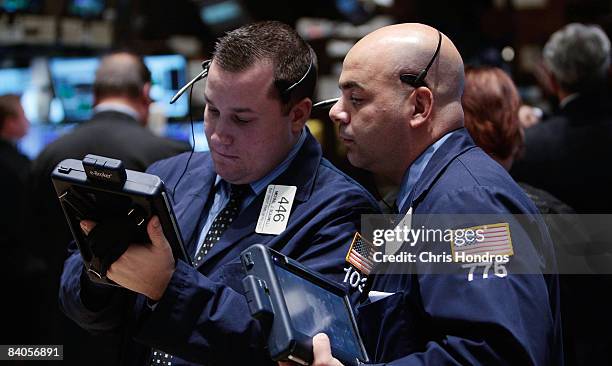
(223, 15)
(168, 74)
(18, 81)
(72, 80)
(182, 131)
(40, 136)
(21, 6)
(86, 8)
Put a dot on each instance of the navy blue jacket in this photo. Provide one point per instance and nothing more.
(446, 318)
(203, 316)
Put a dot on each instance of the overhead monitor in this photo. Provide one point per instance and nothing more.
(21, 6)
(73, 80)
(168, 74)
(223, 15)
(86, 8)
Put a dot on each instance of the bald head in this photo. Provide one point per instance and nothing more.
(385, 110)
(121, 74)
(408, 48)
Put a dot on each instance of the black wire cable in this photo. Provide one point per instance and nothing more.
(192, 146)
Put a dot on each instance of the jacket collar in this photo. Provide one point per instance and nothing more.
(458, 143)
(113, 115)
(300, 173)
(587, 107)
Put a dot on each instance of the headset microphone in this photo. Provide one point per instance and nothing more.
(202, 75)
(285, 96)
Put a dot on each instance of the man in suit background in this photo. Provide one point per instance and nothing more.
(259, 95)
(566, 154)
(14, 167)
(117, 130)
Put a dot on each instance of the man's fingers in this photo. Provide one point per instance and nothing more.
(321, 350)
(87, 226)
(320, 345)
(156, 234)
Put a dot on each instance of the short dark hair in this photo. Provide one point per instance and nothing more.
(121, 74)
(291, 57)
(9, 104)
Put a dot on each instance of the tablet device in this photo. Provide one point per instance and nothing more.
(295, 303)
(100, 189)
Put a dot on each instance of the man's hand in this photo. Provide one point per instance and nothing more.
(322, 352)
(143, 268)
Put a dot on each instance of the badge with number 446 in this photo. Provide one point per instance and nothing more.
(274, 214)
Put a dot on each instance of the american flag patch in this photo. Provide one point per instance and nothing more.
(492, 239)
(361, 254)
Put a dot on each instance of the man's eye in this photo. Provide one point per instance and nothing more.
(240, 120)
(356, 101)
(213, 111)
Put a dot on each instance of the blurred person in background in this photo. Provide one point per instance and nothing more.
(14, 167)
(566, 154)
(117, 130)
(491, 105)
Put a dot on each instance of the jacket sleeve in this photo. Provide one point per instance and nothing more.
(204, 320)
(96, 308)
(491, 314)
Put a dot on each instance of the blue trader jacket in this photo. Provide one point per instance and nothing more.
(203, 318)
(435, 318)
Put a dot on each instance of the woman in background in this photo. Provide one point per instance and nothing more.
(491, 105)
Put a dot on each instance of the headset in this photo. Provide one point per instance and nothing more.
(414, 80)
(285, 97)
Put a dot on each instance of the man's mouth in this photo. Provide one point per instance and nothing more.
(226, 156)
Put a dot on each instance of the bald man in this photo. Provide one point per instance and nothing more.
(400, 117)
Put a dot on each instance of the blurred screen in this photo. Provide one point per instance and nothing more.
(73, 80)
(19, 82)
(86, 8)
(182, 132)
(314, 309)
(21, 6)
(40, 136)
(167, 77)
(223, 15)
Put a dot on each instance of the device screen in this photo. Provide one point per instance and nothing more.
(314, 309)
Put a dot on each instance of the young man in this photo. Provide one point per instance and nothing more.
(259, 96)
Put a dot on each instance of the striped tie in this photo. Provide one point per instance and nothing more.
(217, 228)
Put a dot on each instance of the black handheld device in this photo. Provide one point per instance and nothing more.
(101, 189)
(295, 303)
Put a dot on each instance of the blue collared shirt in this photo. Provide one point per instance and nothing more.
(222, 188)
(414, 172)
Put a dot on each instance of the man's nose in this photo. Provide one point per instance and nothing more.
(337, 113)
(222, 133)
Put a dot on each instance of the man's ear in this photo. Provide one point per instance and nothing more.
(146, 90)
(423, 101)
(7, 127)
(299, 114)
(554, 85)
